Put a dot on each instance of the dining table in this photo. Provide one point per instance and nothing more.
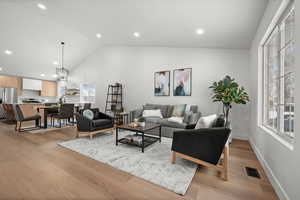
(49, 109)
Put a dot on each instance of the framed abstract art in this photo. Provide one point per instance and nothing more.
(182, 82)
(162, 83)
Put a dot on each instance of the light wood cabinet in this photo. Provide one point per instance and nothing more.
(49, 89)
(11, 82)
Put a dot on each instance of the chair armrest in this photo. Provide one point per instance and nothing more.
(134, 114)
(203, 144)
(83, 124)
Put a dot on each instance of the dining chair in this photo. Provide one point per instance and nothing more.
(20, 118)
(87, 106)
(9, 113)
(66, 112)
(51, 111)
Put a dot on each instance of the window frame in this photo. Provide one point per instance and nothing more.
(278, 25)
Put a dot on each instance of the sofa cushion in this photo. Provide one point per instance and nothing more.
(163, 108)
(219, 122)
(166, 123)
(101, 122)
(187, 117)
(179, 110)
(154, 120)
(176, 119)
(194, 118)
(169, 111)
(206, 122)
(135, 114)
(150, 106)
(193, 108)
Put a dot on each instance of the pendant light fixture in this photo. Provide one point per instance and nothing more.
(62, 72)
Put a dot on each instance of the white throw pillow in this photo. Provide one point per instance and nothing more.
(152, 113)
(176, 119)
(206, 122)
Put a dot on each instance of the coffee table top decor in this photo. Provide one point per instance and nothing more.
(138, 135)
(136, 127)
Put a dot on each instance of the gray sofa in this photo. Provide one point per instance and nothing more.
(191, 116)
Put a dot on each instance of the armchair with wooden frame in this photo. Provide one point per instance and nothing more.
(18, 113)
(204, 147)
(100, 123)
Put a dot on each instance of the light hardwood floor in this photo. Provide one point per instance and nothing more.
(33, 166)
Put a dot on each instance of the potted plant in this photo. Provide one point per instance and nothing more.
(142, 121)
(228, 92)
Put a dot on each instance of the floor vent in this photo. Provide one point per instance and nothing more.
(252, 172)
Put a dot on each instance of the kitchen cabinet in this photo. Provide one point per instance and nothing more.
(32, 84)
(49, 89)
(11, 82)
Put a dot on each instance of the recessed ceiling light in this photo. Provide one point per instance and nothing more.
(8, 52)
(1, 69)
(136, 34)
(200, 31)
(55, 63)
(54, 75)
(98, 35)
(41, 6)
(42, 75)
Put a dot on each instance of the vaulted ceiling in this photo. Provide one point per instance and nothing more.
(33, 34)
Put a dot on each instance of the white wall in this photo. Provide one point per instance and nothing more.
(281, 164)
(135, 67)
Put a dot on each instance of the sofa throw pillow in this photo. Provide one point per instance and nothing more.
(195, 117)
(187, 117)
(152, 113)
(164, 110)
(176, 119)
(206, 122)
(170, 111)
(178, 110)
(88, 114)
(219, 122)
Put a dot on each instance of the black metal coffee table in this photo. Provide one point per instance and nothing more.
(141, 131)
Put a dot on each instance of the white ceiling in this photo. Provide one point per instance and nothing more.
(34, 35)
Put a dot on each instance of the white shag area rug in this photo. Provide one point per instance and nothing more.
(154, 165)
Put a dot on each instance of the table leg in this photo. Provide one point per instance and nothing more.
(117, 132)
(143, 141)
(45, 118)
(160, 134)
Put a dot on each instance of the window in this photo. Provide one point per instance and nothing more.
(279, 77)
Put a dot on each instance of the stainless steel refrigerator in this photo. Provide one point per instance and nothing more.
(8, 96)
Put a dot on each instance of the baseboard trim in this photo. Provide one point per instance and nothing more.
(239, 137)
(273, 179)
